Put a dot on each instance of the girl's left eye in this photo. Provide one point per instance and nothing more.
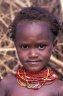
(41, 46)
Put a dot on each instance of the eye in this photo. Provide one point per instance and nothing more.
(24, 46)
(41, 46)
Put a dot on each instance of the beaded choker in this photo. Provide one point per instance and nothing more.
(36, 80)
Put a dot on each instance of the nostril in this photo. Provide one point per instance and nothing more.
(33, 55)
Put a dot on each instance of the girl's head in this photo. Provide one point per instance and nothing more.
(34, 30)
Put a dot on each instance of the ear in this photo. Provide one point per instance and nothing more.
(55, 42)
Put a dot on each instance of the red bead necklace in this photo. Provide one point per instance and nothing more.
(36, 80)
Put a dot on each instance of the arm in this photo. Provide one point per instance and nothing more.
(6, 85)
(61, 89)
(2, 88)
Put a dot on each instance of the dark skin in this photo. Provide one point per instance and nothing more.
(34, 43)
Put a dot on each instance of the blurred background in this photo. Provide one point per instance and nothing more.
(9, 61)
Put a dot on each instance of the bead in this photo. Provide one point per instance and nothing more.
(36, 80)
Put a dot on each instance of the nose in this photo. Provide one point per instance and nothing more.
(33, 53)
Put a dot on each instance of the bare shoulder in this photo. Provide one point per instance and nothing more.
(6, 83)
(8, 80)
(60, 83)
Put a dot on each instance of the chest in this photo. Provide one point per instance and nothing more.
(48, 90)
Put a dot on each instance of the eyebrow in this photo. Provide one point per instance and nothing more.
(38, 42)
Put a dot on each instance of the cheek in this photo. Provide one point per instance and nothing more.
(47, 53)
(21, 54)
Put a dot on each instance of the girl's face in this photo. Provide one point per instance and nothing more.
(34, 43)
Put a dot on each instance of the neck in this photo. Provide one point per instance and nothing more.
(35, 72)
(37, 80)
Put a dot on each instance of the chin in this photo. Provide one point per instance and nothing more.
(34, 69)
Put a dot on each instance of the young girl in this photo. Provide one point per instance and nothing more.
(33, 31)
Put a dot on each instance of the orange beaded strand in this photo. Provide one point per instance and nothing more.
(36, 80)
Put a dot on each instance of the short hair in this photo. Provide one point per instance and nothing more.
(35, 14)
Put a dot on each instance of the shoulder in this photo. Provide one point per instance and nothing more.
(7, 81)
(60, 87)
(5, 84)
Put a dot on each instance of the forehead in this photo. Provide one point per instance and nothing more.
(33, 29)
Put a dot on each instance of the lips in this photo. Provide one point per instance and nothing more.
(34, 61)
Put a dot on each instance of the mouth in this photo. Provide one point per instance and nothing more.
(34, 62)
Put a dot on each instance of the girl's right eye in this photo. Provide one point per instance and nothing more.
(24, 46)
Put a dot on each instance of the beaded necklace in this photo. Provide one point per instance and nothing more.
(36, 80)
